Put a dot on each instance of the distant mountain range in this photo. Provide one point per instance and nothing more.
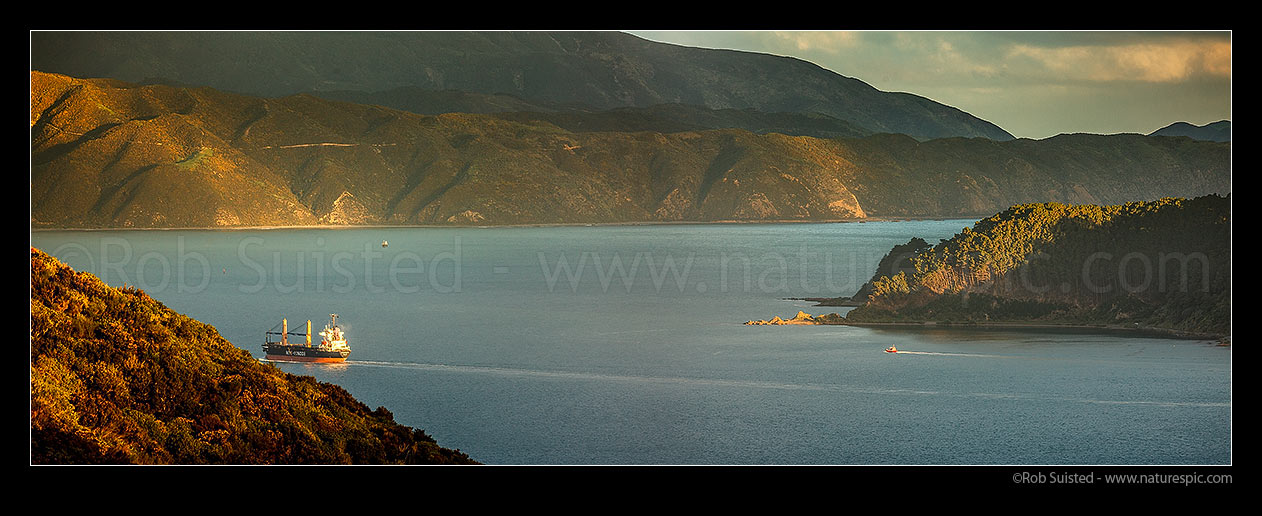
(1219, 131)
(106, 153)
(483, 72)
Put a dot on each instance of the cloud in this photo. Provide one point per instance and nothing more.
(1173, 61)
(831, 42)
(1033, 84)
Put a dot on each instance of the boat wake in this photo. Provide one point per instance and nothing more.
(755, 384)
(941, 354)
(575, 375)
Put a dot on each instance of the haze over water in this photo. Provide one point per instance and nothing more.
(624, 345)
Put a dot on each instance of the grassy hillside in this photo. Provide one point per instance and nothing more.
(110, 154)
(117, 378)
(1162, 264)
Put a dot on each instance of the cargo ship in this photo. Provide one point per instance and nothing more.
(332, 346)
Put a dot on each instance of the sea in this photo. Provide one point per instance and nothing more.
(626, 345)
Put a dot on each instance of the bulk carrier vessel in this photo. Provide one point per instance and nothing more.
(332, 346)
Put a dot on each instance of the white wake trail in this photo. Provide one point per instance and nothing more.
(942, 354)
(755, 384)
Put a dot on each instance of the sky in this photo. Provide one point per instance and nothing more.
(1032, 84)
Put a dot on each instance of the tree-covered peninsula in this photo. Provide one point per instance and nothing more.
(1163, 264)
(118, 378)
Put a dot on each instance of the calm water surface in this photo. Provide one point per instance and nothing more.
(624, 345)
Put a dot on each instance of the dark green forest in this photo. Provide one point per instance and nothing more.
(118, 378)
(1157, 264)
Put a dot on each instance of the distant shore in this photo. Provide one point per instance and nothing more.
(1044, 326)
(834, 319)
(842, 301)
(530, 225)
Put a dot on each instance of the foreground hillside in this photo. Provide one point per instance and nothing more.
(117, 378)
(112, 154)
(1161, 264)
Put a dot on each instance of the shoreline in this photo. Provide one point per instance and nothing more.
(829, 302)
(1018, 326)
(834, 319)
(528, 225)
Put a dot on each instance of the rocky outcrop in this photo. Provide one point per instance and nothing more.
(800, 318)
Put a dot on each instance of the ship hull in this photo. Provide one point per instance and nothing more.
(303, 354)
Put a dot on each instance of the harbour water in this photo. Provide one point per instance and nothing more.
(625, 345)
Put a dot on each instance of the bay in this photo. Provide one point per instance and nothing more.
(625, 345)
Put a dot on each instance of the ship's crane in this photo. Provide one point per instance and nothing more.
(284, 333)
